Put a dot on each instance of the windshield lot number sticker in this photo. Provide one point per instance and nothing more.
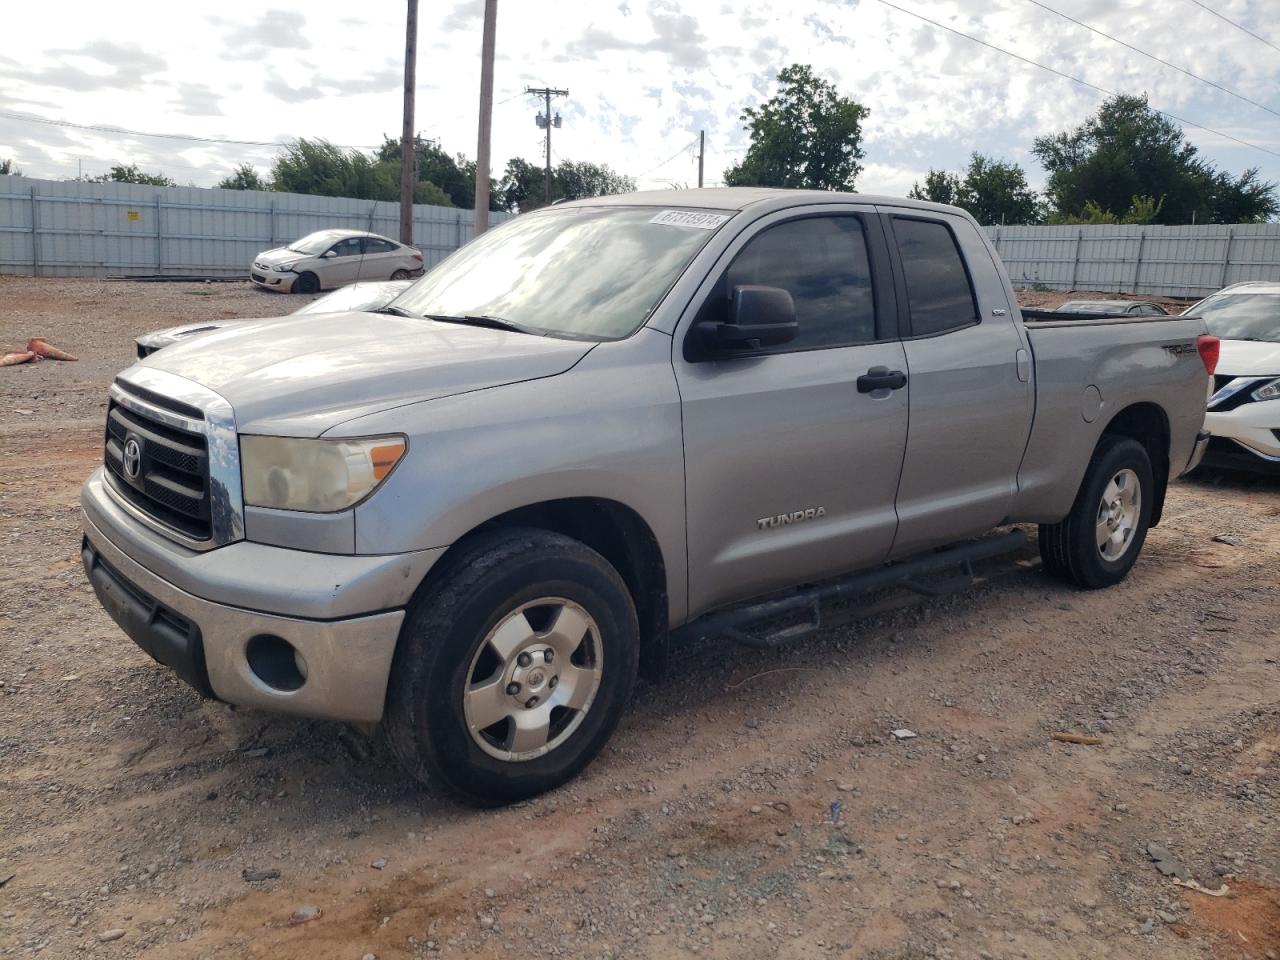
(689, 218)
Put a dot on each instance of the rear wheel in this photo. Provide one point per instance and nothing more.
(306, 283)
(513, 668)
(400, 275)
(1099, 541)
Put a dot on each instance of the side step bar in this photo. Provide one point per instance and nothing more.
(736, 622)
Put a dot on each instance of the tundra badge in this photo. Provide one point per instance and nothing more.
(782, 519)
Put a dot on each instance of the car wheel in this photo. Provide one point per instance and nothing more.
(400, 275)
(513, 667)
(1099, 541)
(306, 283)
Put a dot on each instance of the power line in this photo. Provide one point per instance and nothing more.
(1067, 76)
(100, 128)
(669, 159)
(1152, 56)
(1234, 24)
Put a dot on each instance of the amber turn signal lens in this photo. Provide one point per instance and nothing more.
(385, 457)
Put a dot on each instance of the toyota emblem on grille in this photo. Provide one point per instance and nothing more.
(132, 458)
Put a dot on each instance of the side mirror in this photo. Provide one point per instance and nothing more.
(329, 254)
(759, 317)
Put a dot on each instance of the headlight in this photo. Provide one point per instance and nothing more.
(318, 476)
(283, 268)
(1268, 391)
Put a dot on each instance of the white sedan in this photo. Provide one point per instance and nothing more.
(1244, 410)
(334, 258)
(365, 297)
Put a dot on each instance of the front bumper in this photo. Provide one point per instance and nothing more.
(270, 280)
(341, 614)
(1251, 433)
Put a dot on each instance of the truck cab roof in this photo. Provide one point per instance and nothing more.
(740, 198)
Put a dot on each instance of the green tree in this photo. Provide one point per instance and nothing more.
(575, 180)
(132, 174)
(8, 168)
(994, 191)
(318, 167)
(1127, 150)
(524, 183)
(245, 177)
(455, 175)
(806, 135)
(939, 187)
(1140, 210)
(522, 187)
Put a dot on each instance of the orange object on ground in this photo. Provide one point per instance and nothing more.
(10, 359)
(41, 347)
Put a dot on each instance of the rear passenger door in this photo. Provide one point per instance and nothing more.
(380, 259)
(971, 399)
(790, 470)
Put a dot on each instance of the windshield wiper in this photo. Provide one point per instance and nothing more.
(484, 320)
(397, 311)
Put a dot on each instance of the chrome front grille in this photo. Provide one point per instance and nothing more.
(161, 470)
(172, 458)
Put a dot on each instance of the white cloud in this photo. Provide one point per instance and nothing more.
(644, 76)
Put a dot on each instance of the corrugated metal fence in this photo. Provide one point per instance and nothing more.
(1165, 261)
(73, 229)
(53, 228)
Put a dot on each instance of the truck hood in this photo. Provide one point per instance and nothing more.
(301, 375)
(1248, 358)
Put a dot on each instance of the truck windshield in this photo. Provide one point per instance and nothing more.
(592, 273)
(1241, 316)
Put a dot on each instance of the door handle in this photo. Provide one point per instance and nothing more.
(881, 378)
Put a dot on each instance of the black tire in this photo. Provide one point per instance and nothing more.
(445, 628)
(306, 283)
(400, 275)
(1069, 549)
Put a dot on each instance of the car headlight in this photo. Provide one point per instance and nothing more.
(317, 476)
(1268, 391)
(283, 268)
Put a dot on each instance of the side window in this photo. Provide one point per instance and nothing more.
(350, 247)
(939, 294)
(823, 263)
(374, 245)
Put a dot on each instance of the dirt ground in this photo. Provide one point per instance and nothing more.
(750, 806)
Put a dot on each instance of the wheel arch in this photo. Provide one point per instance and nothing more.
(616, 532)
(1147, 423)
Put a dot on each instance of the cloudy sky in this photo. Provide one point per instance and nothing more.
(644, 76)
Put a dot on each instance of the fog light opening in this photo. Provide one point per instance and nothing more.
(276, 663)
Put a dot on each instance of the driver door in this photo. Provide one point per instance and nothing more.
(791, 471)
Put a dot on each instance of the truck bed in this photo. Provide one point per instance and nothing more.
(1043, 318)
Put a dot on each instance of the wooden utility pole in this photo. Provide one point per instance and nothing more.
(486, 117)
(546, 122)
(408, 155)
(702, 152)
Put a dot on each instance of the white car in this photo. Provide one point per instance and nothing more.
(334, 258)
(1244, 409)
(365, 297)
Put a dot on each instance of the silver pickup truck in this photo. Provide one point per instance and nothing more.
(601, 428)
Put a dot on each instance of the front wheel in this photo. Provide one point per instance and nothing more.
(1099, 541)
(306, 283)
(513, 667)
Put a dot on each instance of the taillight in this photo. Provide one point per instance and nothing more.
(417, 256)
(1209, 348)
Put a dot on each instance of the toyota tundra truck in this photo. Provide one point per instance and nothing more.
(599, 429)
